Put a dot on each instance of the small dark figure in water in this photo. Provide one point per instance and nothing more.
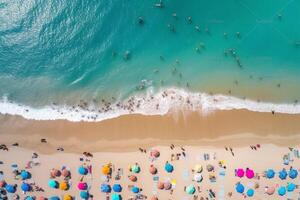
(141, 21)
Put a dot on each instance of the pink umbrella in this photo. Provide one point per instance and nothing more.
(167, 185)
(270, 190)
(240, 172)
(82, 186)
(155, 153)
(249, 173)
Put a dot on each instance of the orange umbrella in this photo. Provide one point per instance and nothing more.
(63, 186)
(152, 170)
(160, 185)
(68, 197)
(154, 198)
(42, 198)
(106, 170)
(133, 178)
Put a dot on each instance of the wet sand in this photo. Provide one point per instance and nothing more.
(234, 127)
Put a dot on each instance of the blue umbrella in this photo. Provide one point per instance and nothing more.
(105, 188)
(239, 188)
(169, 168)
(10, 188)
(84, 195)
(82, 170)
(53, 183)
(250, 192)
(270, 173)
(293, 173)
(281, 191)
(283, 174)
(117, 188)
(135, 190)
(54, 198)
(25, 175)
(291, 187)
(25, 187)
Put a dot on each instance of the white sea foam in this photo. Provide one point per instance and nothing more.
(151, 103)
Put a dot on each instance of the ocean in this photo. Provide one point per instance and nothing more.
(94, 60)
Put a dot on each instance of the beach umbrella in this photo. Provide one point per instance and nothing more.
(293, 173)
(68, 197)
(239, 188)
(25, 175)
(198, 168)
(291, 187)
(154, 198)
(135, 169)
(82, 170)
(116, 197)
(240, 172)
(152, 170)
(190, 189)
(2, 183)
(54, 198)
(105, 188)
(249, 173)
(281, 191)
(169, 168)
(82, 186)
(106, 170)
(270, 173)
(198, 177)
(63, 185)
(167, 185)
(65, 173)
(250, 192)
(155, 153)
(55, 173)
(25, 187)
(209, 168)
(283, 174)
(117, 188)
(135, 189)
(160, 185)
(84, 195)
(42, 198)
(10, 188)
(29, 198)
(53, 183)
(270, 190)
(133, 178)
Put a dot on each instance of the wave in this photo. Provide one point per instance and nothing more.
(151, 103)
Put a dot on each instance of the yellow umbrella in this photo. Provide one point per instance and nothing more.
(106, 169)
(68, 197)
(63, 185)
(198, 168)
(173, 182)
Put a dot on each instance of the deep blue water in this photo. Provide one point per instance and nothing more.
(65, 51)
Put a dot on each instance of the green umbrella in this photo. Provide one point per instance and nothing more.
(52, 183)
(190, 189)
(135, 169)
(115, 197)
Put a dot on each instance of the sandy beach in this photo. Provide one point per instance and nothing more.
(234, 127)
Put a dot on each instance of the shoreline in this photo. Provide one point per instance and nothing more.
(127, 133)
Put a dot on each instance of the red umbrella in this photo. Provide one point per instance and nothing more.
(2, 183)
(152, 170)
(133, 178)
(160, 185)
(154, 198)
(65, 173)
(55, 173)
(155, 153)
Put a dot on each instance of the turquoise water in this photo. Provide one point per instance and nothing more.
(67, 51)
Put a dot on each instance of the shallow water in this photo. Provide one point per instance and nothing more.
(66, 51)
